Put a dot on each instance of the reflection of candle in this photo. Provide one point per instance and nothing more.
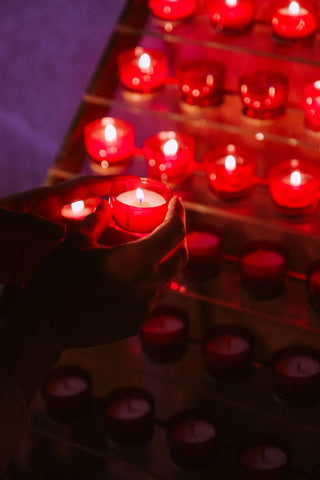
(164, 334)
(231, 14)
(172, 9)
(264, 461)
(109, 141)
(293, 21)
(294, 185)
(79, 209)
(230, 170)
(192, 439)
(130, 413)
(139, 204)
(142, 70)
(312, 105)
(204, 251)
(296, 374)
(169, 156)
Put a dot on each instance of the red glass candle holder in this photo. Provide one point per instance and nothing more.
(313, 284)
(139, 204)
(228, 352)
(263, 94)
(231, 15)
(142, 70)
(263, 268)
(312, 105)
(164, 334)
(129, 415)
(264, 457)
(294, 19)
(67, 393)
(201, 82)
(296, 375)
(204, 245)
(294, 186)
(110, 143)
(169, 156)
(230, 170)
(192, 438)
(172, 9)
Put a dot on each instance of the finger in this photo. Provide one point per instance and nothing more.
(172, 264)
(168, 235)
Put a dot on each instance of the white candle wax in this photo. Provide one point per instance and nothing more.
(264, 457)
(298, 366)
(164, 324)
(129, 408)
(194, 431)
(67, 386)
(228, 345)
(151, 199)
(286, 11)
(263, 258)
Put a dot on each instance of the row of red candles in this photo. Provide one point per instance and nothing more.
(289, 19)
(263, 93)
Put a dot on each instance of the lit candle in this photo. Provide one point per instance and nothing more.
(233, 15)
(265, 458)
(230, 170)
(164, 334)
(293, 21)
(172, 9)
(142, 70)
(78, 210)
(139, 204)
(130, 414)
(296, 374)
(169, 156)
(192, 439)
(312, 105)
(110, 143)
(263, 94)
(201, 82)
(204, 247)
(294, 186)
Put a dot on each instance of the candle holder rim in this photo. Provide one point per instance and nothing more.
(89, 127)
(259, 438)
(293, 350)
(214, 154)
(194, 413)
(66, 370)
(137, 182)
(178, 135)
(123, 392)
(270, 245)
(216, 331)
(285, 167)
(173, 310)
(138, 50)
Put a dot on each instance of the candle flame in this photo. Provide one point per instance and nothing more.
(144, 61)
(294, 8)
(76, 207)
(230, 163)
(295, 178)
(317, 84)
(140, 195)
(231, 3)
(110, 132)
(170, 147)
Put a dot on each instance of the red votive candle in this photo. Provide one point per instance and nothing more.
(264, 457)
(169, 156)
(294, 186)
(110, 142)
(79, 209)
(293, 20)
(67, 393)
(233, 15)
(164, 334)
(228, 352)
(312, 105)
(230, 170)
(296, 375)
(201, 82)
(142, 70)
(263, 268)
(192, 439)
(204, 245)
(139, 204)
(130, 414)
(172, 9)
(264, 94)
(313, 284)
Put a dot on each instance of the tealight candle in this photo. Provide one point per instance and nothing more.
(139, 204)
(130, 414)
(296, 375)
(110, 142)
(228, 352)
(169, 156)
(230, 170)
(204, 247)
(192, 439)
(263, 268)
(264, 94)
(313, 284)
(79, 209)
(67, 392)
(292, 21)
(312, 105)
(294, 186)
(142, 70)
(201, 82)
(233, 15)
(172, 9)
